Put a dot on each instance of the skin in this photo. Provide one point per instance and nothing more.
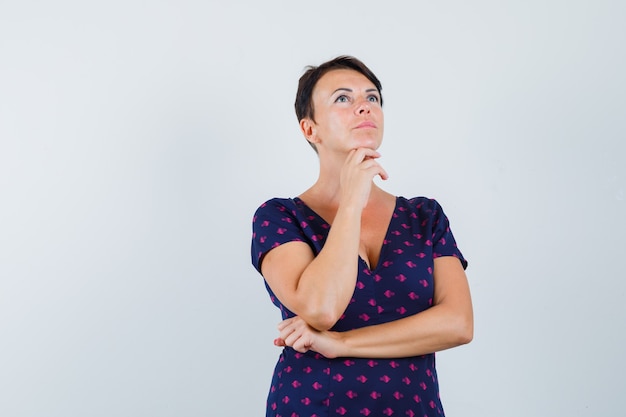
(347, 131)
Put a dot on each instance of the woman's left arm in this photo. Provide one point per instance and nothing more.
(448, 323)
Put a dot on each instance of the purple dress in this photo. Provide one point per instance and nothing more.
(310, 385)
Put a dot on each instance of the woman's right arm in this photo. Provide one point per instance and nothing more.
(319, 288)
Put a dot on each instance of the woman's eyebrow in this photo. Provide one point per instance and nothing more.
(369, 90)
(343, 89)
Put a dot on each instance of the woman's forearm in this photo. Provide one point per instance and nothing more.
(327, 284)
(433, 330)
(430, 331)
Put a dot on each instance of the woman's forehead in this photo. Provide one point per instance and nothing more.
(343, 78)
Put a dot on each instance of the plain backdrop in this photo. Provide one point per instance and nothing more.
(137, 139)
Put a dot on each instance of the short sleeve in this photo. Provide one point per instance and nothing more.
(274, 223)
(443, 240)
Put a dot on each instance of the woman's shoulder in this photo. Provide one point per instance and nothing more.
(278, 201)
(277, 205)
(420, 203)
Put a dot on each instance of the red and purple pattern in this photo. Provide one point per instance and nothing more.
(310, 385)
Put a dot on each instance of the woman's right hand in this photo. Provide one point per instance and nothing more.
(357, 174)
(296, 333)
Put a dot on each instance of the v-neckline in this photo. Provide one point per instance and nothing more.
(385, 239)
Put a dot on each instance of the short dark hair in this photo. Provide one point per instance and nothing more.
(312, 74)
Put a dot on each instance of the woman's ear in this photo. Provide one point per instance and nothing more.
(309, 130)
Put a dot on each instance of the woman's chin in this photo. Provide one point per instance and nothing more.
(368, 143)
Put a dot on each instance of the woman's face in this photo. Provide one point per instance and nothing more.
(347, 112)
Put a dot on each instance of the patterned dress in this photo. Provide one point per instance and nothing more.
(310, 385)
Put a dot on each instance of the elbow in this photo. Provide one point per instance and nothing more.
(464, 332)
(321, 319)
(323, 322)
(465, 337)
(321, 314)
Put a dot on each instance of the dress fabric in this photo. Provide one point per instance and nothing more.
(310, 385)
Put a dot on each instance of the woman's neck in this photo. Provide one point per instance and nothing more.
(327, 189)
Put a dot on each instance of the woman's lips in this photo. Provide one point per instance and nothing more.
(366, 125)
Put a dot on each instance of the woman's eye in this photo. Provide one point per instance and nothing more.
(342, 99)
(373, 99)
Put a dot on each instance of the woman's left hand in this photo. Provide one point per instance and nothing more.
(296, 333)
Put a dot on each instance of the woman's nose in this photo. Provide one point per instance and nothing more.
(363, 107)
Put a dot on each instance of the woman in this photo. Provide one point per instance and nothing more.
(369, 285)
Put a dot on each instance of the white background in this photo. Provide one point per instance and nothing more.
(137, 138)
